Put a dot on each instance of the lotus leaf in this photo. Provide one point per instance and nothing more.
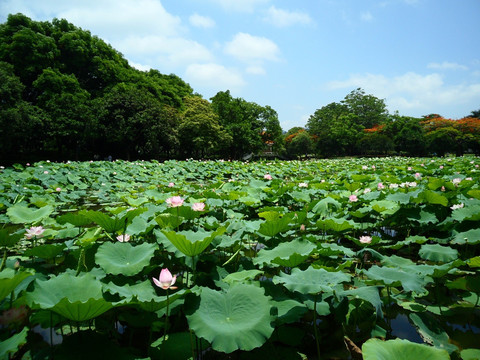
(124, 258)
(288, 254)
(471, 213)
(192, 243)
(471, 237)
(398, 349)
(276, 226)
(470, 354)
(241, 276)
(394, 277)
(46, 251)
(20, 214)
(336, 225)
(10, 346)
(437, 252)
(9, 280)
(77, 298)
(7, 239)
(311, 281)
(431, 331)
(237, 319)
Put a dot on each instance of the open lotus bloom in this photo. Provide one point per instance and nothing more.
(165, 280)
(34, 231)
(174, 201)
(198, 206)
(365, 239)
(123, 238)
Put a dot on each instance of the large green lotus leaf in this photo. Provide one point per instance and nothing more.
(10, 346)
(9, 280)
(471, 237)
(389, 276)
(475, 193)
(169, 221)
(422, 217)
(385, 207)
(192, 243)
(469, 283)
(110, 225)
(474, 262)
(288, 254)
(398, 349)
(77, 219)
(124, 258)
(185, 212)
(237, 319)
(241, 276)
(77, 298)
(289, 310)
(437, 252)
(471, 213)
(367, 293)
(311, 281)
(81, 311)
(431, 331)
(432, 197)
(274, 227)
(7, 239)
(335, 249)
(46, 251)
(336, 225)
(470, 354)
(322, 207)
(300, 196)
(20, 214)
(142, 292)
(401, 198)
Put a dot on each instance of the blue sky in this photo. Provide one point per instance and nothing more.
(421, 56)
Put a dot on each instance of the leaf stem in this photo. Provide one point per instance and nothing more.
(315, 326)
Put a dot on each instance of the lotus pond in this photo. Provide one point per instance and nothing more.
(332, 259)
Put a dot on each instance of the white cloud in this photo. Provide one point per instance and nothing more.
(116, 18)
(201, 21)
(140, 67)
(249, 48)
(161, 51)
(213, 76)
(447, 66)
(283, 18)
(240, 5)
(366, 16)
(411, 91)
(255, 70)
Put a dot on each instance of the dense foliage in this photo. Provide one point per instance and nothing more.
(361, 125)
(66, 94)
(287, 260)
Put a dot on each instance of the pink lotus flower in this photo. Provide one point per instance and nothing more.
(380, 186)
(34, 231)
(409, 168)
(171, 184)
(267, 177)
(303, 184)
(165, 280)
(45, 172)
(174, 201)
(198, 206)
(123, 238)
(302, 227)
(457, 206)
(353, 198)
(418, 176)
(365, 239)
(58, 189)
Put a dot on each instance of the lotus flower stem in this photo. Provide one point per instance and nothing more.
(191, 344)
(4, 259)
(166, 319)
(315, 330)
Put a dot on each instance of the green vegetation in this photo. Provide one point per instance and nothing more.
(301, 259)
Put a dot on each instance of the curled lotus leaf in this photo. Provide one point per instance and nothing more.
(236, 319)
(77, 298)
(409, 280)
(437, 252)
(20, 214)
(288, 254)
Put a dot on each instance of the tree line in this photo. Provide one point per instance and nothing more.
(361, 125)
(65, 94)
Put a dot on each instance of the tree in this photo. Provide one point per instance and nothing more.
(407, 133)
(199, 131)
(298, 144)
(368, 109)
(245, 122)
